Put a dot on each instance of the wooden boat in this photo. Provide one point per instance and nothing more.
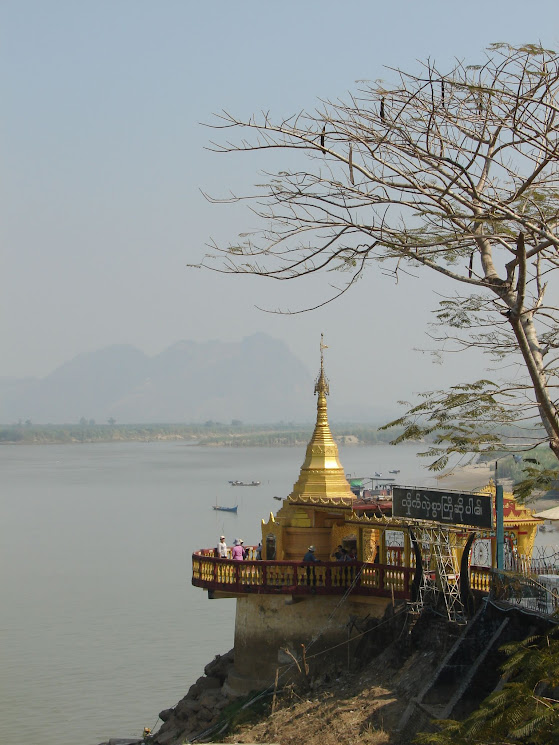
(225, 509)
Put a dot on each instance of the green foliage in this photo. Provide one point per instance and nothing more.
(535, 479)
(525, 710)
(532, 49)
(458, 312)
(475, 418)
(531, 472)
(465, 419)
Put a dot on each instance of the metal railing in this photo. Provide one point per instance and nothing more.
(299, 578)
(538, 593)
(526, 582)
(544, 560)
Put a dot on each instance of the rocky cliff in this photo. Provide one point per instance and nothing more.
(403, 671)
(360, 702)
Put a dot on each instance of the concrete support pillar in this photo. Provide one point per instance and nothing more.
(266, 626)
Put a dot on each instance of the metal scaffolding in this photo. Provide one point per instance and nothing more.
(440, 576)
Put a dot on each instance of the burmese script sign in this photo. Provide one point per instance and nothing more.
(452, 508)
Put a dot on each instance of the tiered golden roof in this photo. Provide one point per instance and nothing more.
(322, 476)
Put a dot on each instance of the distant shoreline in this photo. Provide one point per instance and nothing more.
(209, 434)
(468, 477)
(476, 476)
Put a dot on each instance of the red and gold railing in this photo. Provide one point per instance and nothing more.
(324, 578)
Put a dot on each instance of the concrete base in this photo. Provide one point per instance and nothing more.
(270, 631)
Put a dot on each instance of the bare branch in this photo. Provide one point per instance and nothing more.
(456, 172)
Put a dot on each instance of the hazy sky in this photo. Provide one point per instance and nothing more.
(103, 161)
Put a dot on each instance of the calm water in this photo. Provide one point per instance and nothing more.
(100, 626)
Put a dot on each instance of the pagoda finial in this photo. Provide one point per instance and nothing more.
(321, 385)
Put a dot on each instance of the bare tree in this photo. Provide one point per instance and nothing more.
(455, 172)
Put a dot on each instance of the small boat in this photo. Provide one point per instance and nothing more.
(278, 498)
(245, 483)
(396, 470)
(225, 509)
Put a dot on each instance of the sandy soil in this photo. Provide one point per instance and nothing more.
(361, 708)
(467, 478)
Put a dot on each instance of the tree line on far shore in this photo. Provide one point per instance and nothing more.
(209, 433)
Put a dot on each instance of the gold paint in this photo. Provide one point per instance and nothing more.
(322, 477)
(521, 522)
(272, 527)
(319, 501)
(370, 541)
(301, 519)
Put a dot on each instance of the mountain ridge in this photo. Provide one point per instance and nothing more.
(256, 380)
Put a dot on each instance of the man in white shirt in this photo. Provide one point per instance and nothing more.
(222, 548)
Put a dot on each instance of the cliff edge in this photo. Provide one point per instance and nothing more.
(362, 701)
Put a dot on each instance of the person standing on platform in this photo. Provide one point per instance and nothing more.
(309, 556)
(338, 553)
(238, 552)
(222, 548)
(311, 574)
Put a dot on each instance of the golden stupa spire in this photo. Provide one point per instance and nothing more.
(322, 474)
(321, 386)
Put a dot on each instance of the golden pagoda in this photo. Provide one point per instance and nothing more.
(321, 495)
(283, 600)
(322, 478)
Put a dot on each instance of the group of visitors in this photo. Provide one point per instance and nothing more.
(238, 551)
(343, 554)
(340, 554)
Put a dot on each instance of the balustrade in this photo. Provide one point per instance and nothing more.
(361, 578)
(395, 556)
(480, 578)
(297, 577)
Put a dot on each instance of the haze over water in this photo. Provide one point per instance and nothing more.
(101, 627)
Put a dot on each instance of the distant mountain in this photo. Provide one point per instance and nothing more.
(256, 380)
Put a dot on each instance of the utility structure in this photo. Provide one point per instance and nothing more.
(441, 582)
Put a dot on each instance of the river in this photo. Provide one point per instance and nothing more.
(101, 628)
